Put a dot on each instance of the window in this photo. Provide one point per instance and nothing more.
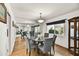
(37, 29)
(50, 29)
(57, 29)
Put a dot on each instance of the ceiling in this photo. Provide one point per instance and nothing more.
(29, 12)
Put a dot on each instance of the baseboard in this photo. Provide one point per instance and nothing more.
(10, 53)
(61, 46)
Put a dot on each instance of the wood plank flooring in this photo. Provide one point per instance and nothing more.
(20, 50)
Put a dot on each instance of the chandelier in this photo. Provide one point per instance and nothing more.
(41, 20)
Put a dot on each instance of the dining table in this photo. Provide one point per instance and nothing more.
(40, 40)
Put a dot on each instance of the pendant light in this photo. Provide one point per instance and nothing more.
(41, 20)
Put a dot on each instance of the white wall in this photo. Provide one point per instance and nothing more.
(64, 41)
(3, 38)
(13, 29)
(3, 34)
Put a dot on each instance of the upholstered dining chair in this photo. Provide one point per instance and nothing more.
(47, 46)
(30, 45)
(46, 34)
(53, 43)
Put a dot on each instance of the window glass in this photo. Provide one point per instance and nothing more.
(37, 29)
(57, 29)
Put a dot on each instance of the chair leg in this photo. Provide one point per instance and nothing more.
(34, 49)
(53, 50)
(26, 51)
(50, 53)
(38, 50)
(29, 53)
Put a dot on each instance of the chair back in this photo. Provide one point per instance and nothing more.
(47, 44)
(28, 36)
(24, 33)
(54, 39)
(29, 45)
(31, 33)
(46, 34)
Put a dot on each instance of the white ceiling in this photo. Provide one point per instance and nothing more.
(28, 12)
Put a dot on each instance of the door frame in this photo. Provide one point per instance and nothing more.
(9, 33)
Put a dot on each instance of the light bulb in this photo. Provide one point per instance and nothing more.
(40, 21)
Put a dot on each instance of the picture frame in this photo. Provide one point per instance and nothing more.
(3, 13)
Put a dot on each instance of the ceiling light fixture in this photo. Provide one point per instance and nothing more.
(28, 25)
(41, 20)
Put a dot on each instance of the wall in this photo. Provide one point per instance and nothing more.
(13, 29)
(3, 34)
(64, 41)
(3, 38)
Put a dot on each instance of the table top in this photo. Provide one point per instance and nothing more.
(37, 39)
(41, 39)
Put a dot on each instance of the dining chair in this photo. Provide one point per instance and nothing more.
(31, 45)
(53, 43)
(46, 34)
(47, 45)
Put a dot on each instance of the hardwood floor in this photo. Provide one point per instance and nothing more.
(20, 50)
